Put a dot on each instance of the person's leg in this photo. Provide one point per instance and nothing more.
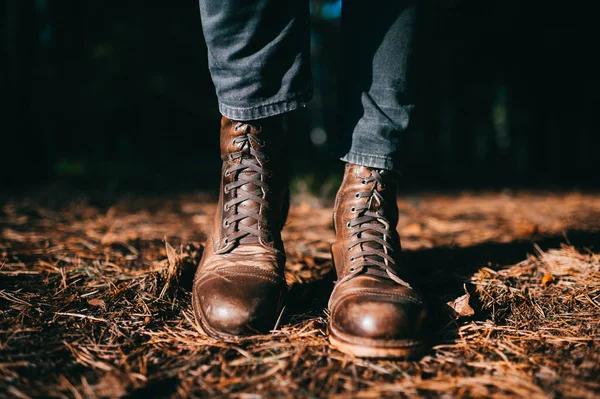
(258, 58)
(258, 54)
(374, 311)
(376, 102)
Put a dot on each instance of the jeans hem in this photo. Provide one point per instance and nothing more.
(371, 161)
(297, 100)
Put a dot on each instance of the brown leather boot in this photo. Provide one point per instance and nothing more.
(374, 312)
(239, 284)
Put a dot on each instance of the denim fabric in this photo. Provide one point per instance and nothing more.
(258, 54)
(259, 62)
(375, 101)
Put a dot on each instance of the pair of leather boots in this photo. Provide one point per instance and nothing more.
(239, 287)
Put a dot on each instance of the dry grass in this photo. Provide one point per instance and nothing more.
(95, 303)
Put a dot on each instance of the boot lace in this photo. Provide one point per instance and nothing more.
(371, 230)
(248, 171)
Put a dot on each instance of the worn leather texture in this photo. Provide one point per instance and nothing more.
(239, 285)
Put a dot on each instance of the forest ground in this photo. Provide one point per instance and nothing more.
(95, 301)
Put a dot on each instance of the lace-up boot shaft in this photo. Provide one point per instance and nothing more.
(239, 284)
(374, 310)
(254, 202)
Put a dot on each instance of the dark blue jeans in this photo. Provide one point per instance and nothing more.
(259, 59)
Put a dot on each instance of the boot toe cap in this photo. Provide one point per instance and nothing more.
(240, 304)
(379, 318)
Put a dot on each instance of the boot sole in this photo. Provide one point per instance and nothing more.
(409, 351)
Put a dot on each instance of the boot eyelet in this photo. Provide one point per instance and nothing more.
(353, 209)
(227, 173)
(226, 223)
(226, 208)
(357, 195)
(352, 270)
(352, 260)
(364, 182)
(226, 241)
(348, 224)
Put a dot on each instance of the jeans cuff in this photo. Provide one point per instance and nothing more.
(371, 161)
(295, 101)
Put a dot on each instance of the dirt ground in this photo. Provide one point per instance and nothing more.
(95, 301)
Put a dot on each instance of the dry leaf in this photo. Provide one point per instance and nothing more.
(97, 302)
(461, 305)
(172, 256)
(548, 279)
(172, 272)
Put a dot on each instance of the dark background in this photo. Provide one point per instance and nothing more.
(116, 95)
